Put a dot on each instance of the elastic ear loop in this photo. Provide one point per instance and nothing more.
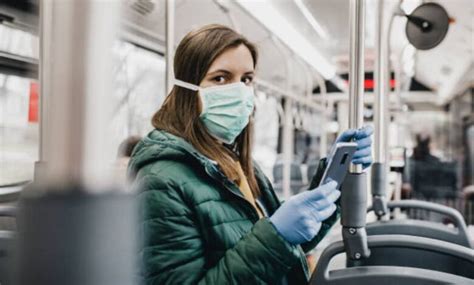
(192, 87)
(186, 85)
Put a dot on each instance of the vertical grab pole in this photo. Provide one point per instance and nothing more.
(288, 130)
(354, 194)
(74, 225)
(45, 23)
(323, 143)
(170, 13)
(288, 147)
(379, 173)
(356, 74)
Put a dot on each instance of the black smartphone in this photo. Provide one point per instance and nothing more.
(338, 165)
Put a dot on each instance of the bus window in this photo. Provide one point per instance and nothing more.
(139, 81)
(18, 129)
(19, 99)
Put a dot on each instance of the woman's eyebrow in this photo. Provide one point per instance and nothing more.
(219, 71)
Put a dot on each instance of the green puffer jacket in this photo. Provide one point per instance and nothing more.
(198, 229)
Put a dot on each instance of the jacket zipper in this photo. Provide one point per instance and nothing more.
(255, 216)
(236, 194)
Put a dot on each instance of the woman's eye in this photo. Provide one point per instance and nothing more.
(219, 79)
(247, 80)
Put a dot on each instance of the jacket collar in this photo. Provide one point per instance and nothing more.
(161, 145)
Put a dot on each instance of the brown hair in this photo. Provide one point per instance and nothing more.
(179, 114)
(126, 147)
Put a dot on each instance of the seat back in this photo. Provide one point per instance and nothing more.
(399, 259)
(428, 229)
(418, 228)
(295, 172)
(6, 257)
(424, 253)
(312, 168)
(7, 241)
(432, 180)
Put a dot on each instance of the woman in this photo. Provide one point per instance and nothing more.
(209, 215)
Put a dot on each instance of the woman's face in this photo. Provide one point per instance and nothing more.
(233, 65)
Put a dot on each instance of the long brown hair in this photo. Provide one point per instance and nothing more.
(179, 114)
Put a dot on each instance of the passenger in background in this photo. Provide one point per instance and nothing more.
(124, 153)
(420, 162)
(208, 213)
(422, 150)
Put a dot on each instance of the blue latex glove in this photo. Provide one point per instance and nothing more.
(299, 219)
(362, 137)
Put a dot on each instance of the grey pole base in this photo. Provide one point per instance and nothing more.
(353, 215)
(69, 237)
(379, 199)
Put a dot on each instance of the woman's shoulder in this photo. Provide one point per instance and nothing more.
(172, 173)
(160, 156)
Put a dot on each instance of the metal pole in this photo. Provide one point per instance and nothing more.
(356, 73)
(397, 66)
(307, 72)
(354, 188)
(288, 130)
(67, 221)
(380, 81)
(323, 142)
(288, 137)
(169, 25)
(45, 85)
(379, 167)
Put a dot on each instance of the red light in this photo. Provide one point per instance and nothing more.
(369, 84)
(33, 107)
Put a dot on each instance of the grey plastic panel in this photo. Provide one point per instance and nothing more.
(354, 200)
(74, 238)
(378, 179)
(6, 257)
(353, 216)
(379, 182)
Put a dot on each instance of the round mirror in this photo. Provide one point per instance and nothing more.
(427, 26)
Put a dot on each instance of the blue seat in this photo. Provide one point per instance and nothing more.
(295, 172)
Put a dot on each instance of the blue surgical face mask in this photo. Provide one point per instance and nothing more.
(225, 108)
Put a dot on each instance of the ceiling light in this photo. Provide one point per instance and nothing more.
(265, 12)
(312, 21)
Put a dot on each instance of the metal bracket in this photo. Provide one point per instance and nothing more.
(355, 242)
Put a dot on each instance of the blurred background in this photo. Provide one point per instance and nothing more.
(432, 94)
(304, 55)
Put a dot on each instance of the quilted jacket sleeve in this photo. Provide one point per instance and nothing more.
(173, 251)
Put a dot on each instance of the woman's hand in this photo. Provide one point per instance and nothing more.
(362, 137)
(299, 219)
